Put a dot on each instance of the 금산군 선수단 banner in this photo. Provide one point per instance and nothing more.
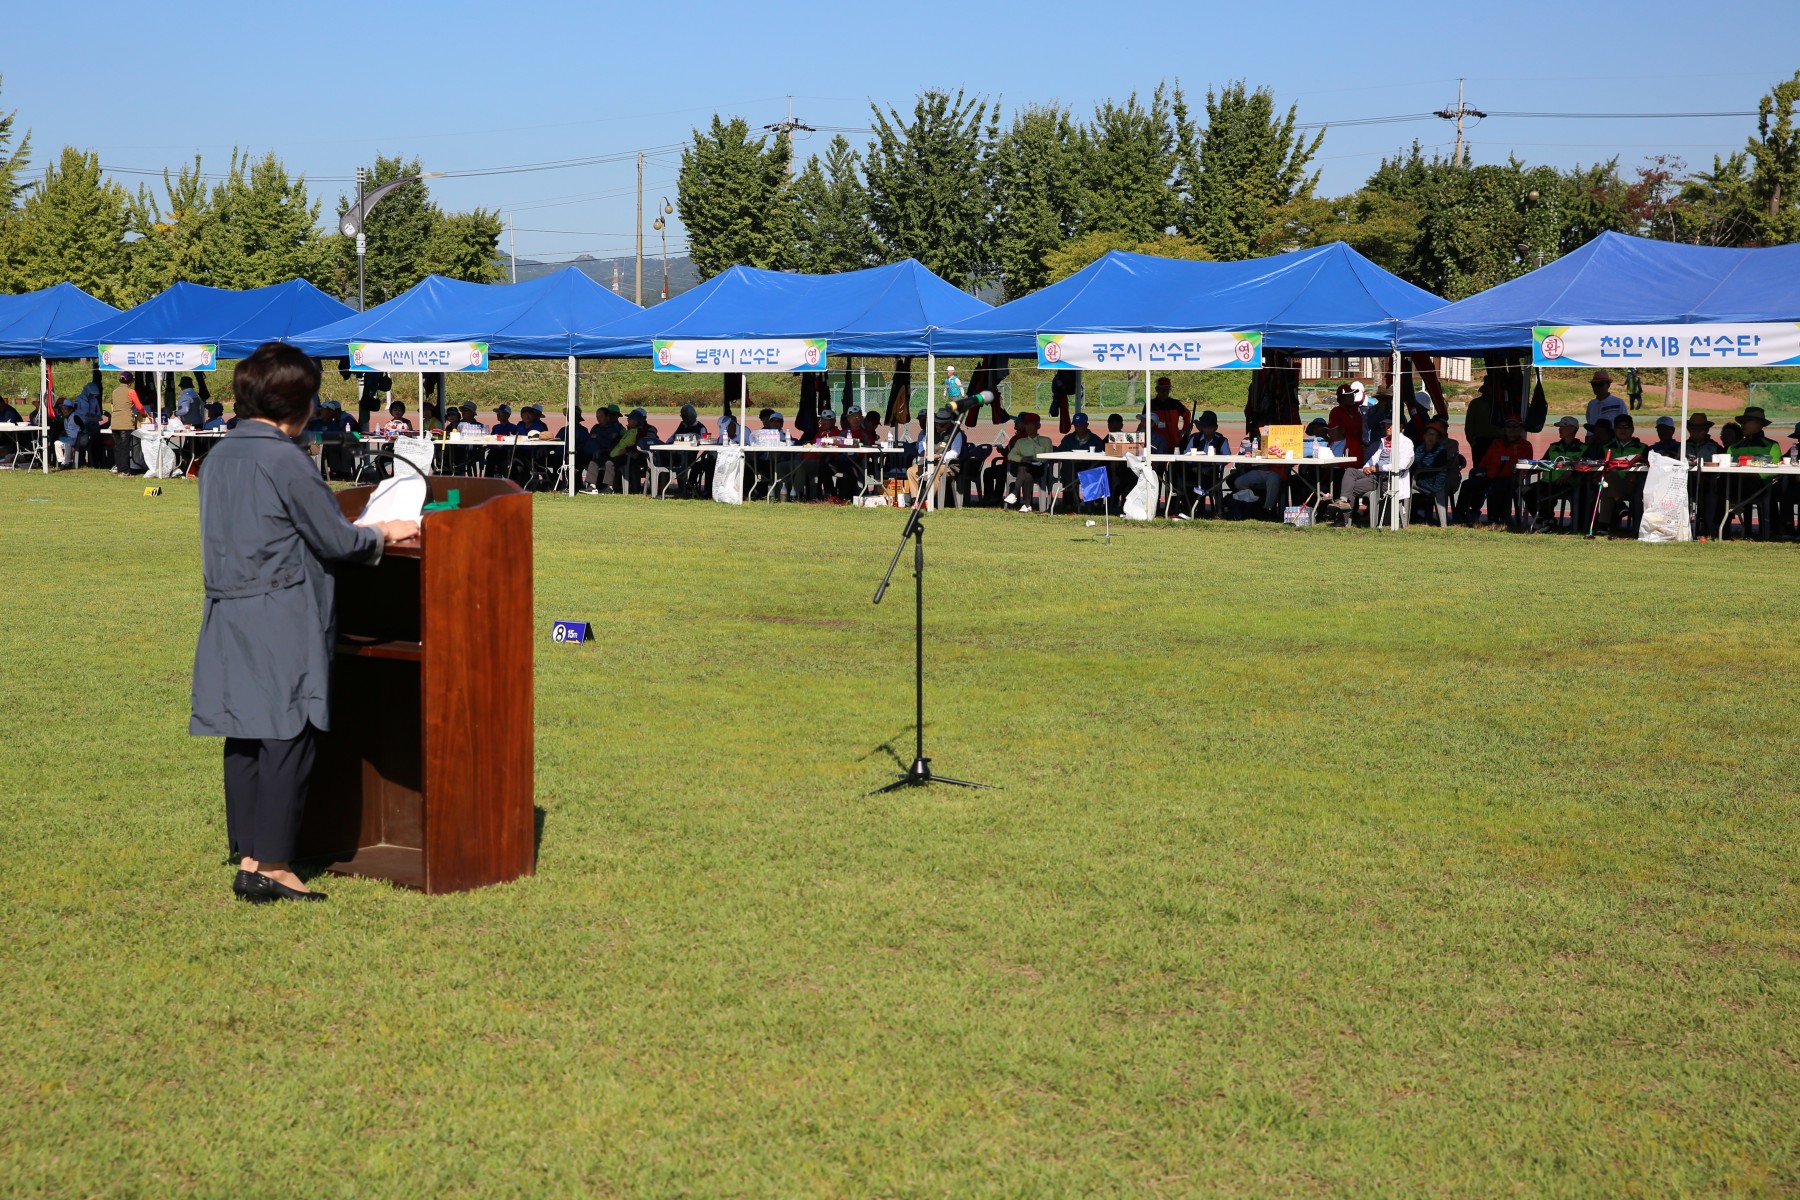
(1219, 351)
(162, 357)
(1772, 344)
(445, 357)
(761, 355)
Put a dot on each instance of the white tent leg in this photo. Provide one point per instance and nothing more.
(1394, 433)
(44, 411)
(1682, 433)
(569, 429)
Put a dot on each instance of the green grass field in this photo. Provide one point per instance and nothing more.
(1327, 862)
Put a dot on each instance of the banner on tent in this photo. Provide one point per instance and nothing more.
(1149, 352)
(763, 355)
(418, 356)
(1761, 345)
(168, 357)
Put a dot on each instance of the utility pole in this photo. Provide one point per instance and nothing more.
(639, 296)
(512, 248)
(1457, 114)
(362, 240)
(786, 130)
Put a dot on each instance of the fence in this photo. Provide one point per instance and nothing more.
(1780, 400)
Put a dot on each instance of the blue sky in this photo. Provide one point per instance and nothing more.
(327, 85)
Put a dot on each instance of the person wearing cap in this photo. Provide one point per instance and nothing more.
(503, 424)
(1604, 403)
(957, 471)
(190, 410)
(1170, 419)
(594, 450)
(1496, 478)
(826, 476)
(689, 425)
(1080, 439)
(1753, 443)
(467, 419)
(72, 438)
(1623, 485)
(531, 420)
(1666, 443)
(124, 414)
(1199, 481)
(215, 417)
(1023, 471)
(1557, 482)
(1393, 458)
(1345, 422)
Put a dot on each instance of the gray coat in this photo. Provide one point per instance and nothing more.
(268, 526)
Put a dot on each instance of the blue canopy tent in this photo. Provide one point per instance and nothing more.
(192, 313)
(887, 311)
(27, 321)
(540, 318)
(1617, 279)
(1327, 299)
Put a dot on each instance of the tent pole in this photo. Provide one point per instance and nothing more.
(1682, 432)
(1149, 417)
(569, 429)
(44, 411)
(1394, 433)
(930, 447)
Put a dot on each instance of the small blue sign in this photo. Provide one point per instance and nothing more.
(571, 632)
(1095, 484)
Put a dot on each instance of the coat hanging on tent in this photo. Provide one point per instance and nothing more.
(986, 377)
(899, 405)
(1274, 396)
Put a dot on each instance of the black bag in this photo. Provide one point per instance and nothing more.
(1539, 409)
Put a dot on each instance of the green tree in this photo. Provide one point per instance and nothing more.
(175, 232)
(831, 210)
(465, 246)
(12, 161)
(1036, 190)
(734, 199)
(1775, 164)
(73, 227)
(927, 184)
(267, 229)
(1128, 167)
(1246, 164)
(1717, 207)
(1380, 227)
(1072, 256)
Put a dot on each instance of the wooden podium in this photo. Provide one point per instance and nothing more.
(426, 776)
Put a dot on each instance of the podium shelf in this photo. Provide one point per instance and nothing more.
(369, 647)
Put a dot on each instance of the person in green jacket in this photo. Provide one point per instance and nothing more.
(1023, 471)
(1624, 483)
(1557, 482)
(1753, 443)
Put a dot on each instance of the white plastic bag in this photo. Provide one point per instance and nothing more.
(1665, 501)
(416, 450)
(159, 454)
(1140, 505)
(728, 474)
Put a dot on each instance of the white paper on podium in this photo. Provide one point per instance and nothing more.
(397, 498)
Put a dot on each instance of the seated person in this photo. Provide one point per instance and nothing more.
(827, 476)
(602, 438)
(1393, 457)
(1624, 484)
(1258, 490)
(1195, 483)
(72, 438)
(1345, 423)
(1023, 470)
(1435, 471)
(429, 421)
(503, 425)
(689, 425)
(953, 445)
(1665, 443)
(1083, 440)
(336, 428)
(624, 467)
(336, 420)
(531, 420)
(215, 417)
(1557, 483)
(1753, 443)
(1170, 419)
(397, 424)
(467, 421)
(1496, 478)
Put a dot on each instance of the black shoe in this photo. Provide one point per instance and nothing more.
(260, 889)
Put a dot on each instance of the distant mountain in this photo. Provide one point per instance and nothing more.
(682, 275)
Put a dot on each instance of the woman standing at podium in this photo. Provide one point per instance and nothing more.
(262, 668)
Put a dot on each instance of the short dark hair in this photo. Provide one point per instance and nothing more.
(276, 383)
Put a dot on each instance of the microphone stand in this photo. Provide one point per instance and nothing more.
(920, 773)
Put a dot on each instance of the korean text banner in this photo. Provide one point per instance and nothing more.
(1149, 351)
(1695, 345)
(418, 356)
(762, 355)
(166, 357)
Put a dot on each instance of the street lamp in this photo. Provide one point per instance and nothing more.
(354, 222)
(662, 227)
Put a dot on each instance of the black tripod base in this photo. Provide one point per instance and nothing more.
(919, 774)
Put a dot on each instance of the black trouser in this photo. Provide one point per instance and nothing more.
(265, 793)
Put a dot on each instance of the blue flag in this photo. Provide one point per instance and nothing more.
(1096, 484)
